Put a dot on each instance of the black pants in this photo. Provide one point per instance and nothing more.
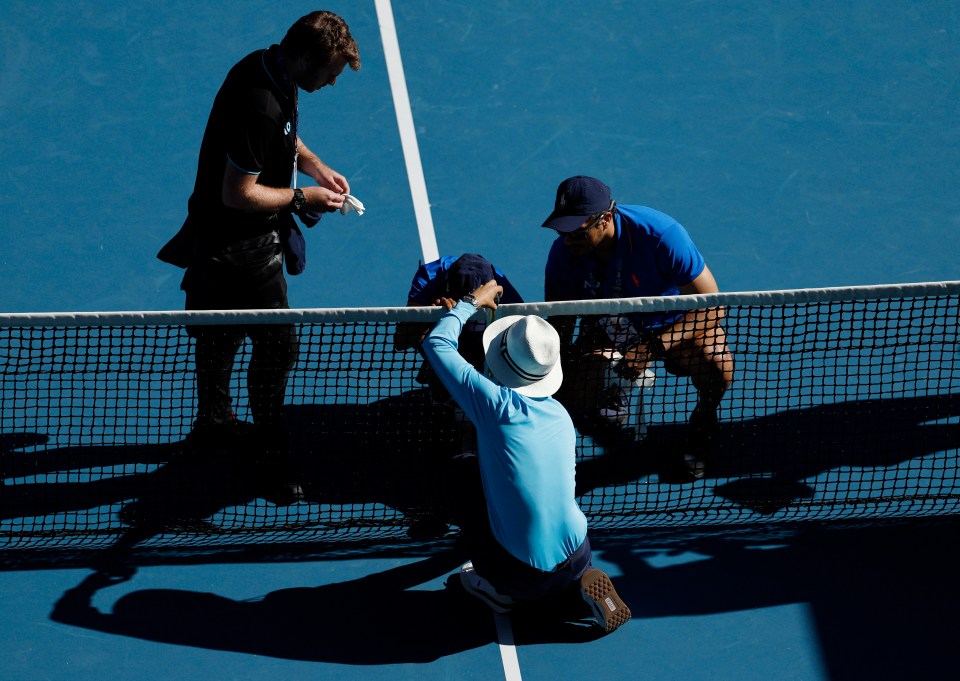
(274, 353)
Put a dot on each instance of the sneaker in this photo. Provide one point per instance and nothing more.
(608, 610)
(613, 407)
(477, 586)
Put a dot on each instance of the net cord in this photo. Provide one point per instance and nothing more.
(427, 314)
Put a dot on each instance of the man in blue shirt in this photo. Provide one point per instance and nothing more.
(528, 539)
(604, 250)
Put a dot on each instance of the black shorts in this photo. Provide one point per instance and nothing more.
(247, 279)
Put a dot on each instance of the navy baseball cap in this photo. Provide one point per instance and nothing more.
(468, 273)
(578, 198)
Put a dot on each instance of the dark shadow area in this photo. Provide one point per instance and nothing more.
(374, 620)
(378, 619)
(391, 454)
(395, 453)
(770, 457)
(37, 499)
(883, 598)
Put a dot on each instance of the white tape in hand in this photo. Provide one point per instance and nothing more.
(351, 203)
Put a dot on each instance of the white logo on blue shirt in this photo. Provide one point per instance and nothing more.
(591, 284)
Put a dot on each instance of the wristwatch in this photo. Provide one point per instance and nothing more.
(299, 200)
(470, 299)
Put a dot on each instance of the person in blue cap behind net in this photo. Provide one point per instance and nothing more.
(526, 534)
(450, 277)
(606, 250)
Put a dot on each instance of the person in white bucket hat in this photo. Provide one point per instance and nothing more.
(526, 534)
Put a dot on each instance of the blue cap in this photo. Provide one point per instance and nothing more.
(468, 273)
(578, 198)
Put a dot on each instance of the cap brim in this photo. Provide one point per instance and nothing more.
(492, 335)
(564, 223)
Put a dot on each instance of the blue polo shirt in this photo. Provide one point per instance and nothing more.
(526, 450)
(654, 256)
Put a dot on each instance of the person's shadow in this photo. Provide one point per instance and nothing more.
(377, 619)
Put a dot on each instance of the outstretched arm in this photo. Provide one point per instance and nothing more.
(472, 391)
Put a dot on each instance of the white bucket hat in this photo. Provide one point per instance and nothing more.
(523, 353)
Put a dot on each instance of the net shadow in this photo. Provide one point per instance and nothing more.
(841, 454)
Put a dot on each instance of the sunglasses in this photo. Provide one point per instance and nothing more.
(581, 234)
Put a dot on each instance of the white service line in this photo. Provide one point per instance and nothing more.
(428, 238)
(508, 651)
(408, 134)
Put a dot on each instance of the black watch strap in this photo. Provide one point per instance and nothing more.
(299, 200)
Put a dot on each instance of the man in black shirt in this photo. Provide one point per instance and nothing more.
(240, 224)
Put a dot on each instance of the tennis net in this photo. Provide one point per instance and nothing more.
(845, 404)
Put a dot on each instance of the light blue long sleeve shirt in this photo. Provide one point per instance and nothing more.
(526, 450)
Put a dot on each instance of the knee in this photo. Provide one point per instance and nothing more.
(276, 350)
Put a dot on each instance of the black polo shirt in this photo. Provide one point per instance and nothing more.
(252, 126)
(235, 261)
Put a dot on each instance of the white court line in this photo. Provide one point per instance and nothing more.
(428, 238)
(408, 134)
(508, 651)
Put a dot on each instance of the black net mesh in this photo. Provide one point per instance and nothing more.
(838, 409)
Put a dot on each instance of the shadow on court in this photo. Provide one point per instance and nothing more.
(872, 591)
(390, 453)
(766, 464)
(377, 619)
(395, 453)
(374, 620)
(883, 598)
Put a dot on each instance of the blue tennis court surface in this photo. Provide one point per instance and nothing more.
(801, 145)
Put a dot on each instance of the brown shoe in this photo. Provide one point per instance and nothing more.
(598, 592)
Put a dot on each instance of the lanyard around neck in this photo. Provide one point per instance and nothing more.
(296, 139)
